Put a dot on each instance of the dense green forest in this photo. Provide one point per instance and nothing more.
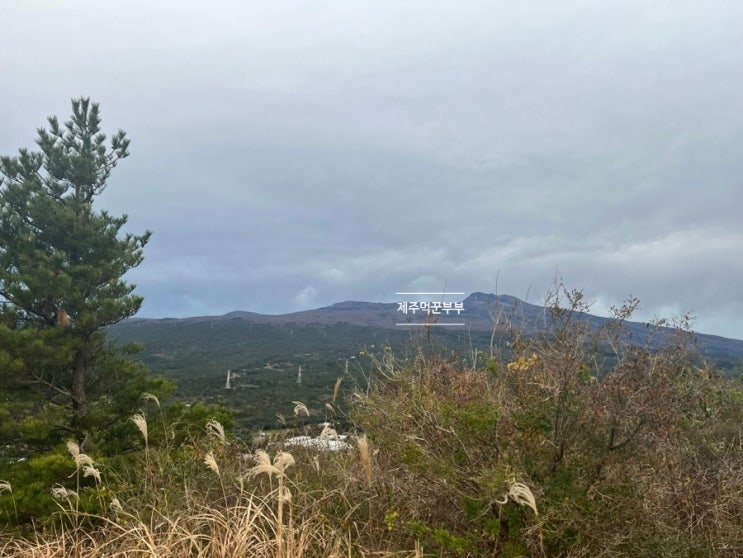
(265, 360)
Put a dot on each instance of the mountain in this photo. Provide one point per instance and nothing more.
(479, 313)
(264, 352)
(354, 323)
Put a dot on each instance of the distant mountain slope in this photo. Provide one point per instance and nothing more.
(480, 312)
(265, 352)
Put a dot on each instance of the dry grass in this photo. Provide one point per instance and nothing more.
(247, 528)
(365, 459)
(262, 511)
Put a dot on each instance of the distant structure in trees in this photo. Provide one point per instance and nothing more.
(62, 319)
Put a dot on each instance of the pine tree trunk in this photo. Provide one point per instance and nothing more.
(79, 400)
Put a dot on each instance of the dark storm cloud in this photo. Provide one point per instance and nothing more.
(293, 155)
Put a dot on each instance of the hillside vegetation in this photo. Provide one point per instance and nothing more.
(265, 353)
(265, 359)
(534, 451)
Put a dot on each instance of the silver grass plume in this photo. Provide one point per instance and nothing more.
(141, 423)
(210, 462)
(300, 408)
(215, 428)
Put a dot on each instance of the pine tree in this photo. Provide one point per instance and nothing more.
(62, 262)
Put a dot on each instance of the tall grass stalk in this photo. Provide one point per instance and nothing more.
(365, 456)
(5, 486)
(141, 423)
(281, 462)
(156, 401)
(211, 462)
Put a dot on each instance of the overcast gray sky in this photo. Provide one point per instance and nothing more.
(292, 154)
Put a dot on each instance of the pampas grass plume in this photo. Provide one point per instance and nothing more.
(141, 423)
(211, 462)
(90, 471)
(281, 462)
(522, 495)
(83, 460)
(151, 397)
(300, 407)
(215, 428)
(60, 492)
(74, 448)
(116, 506)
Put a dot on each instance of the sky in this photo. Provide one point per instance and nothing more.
(291, 154)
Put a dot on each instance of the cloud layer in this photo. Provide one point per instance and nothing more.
(293, 155)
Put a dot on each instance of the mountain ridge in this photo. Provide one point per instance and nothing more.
(481, 312)
(475, 301)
